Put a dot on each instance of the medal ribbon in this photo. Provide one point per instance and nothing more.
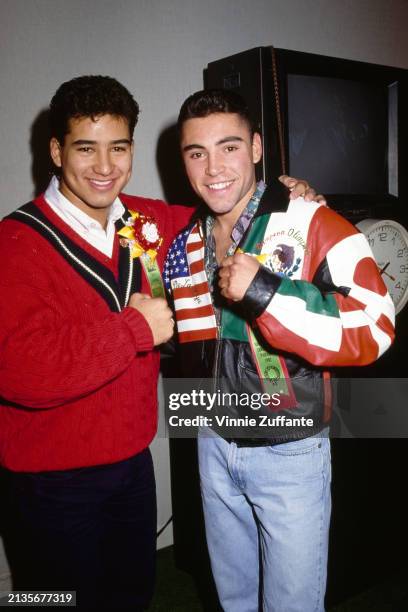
(153, 275)
(273, 373)
(141, 235)
(271, 368)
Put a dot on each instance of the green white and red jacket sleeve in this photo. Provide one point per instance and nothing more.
(339, 313)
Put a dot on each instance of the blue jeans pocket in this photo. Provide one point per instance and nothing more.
(303, 446)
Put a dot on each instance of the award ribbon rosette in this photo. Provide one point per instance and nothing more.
(141, 236)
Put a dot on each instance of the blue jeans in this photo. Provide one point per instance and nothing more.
(267, 514)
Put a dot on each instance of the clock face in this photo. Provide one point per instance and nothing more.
(389, 243)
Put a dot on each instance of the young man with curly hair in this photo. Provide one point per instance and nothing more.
(79, 360)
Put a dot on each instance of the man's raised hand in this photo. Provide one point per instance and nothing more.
(301, 188)
(236, 273)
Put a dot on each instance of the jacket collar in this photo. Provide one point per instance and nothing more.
(275, 199)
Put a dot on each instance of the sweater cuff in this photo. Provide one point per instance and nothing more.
(259, 293)
(140, 329)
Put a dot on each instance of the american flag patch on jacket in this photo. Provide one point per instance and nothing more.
(186, 281)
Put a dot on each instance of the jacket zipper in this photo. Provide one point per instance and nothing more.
(217, 354)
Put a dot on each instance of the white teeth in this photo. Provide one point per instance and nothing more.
(220, 185)
(101, 183)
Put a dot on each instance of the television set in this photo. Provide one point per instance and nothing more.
(341, 124)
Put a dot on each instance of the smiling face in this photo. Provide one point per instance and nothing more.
(95, 161)
(219, 155)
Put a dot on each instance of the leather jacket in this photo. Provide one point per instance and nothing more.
(317, 302)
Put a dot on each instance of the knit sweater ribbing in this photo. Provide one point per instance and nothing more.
(78, 382)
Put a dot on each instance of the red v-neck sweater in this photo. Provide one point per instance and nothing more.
(78, 382)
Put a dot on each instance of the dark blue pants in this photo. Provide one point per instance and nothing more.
(92, 530)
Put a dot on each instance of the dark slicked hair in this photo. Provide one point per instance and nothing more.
(91, 96)
(209, 101)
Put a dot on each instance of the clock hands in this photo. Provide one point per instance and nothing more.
(383, 271)
(388, 240)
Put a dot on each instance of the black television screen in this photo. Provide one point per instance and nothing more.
(338, 134)
(341, 124)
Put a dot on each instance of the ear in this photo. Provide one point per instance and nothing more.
(256, 147)
(55, 152)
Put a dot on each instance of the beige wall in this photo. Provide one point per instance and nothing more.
(158, 49)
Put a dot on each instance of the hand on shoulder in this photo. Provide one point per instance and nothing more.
(301, 188)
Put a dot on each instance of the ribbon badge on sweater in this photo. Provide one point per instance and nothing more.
(141, 235)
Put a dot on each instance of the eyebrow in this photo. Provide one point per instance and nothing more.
(93, 142)
(219, 142)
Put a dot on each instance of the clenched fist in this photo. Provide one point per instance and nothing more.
(236, 274)
(157, 314)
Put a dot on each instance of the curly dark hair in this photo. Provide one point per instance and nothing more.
(90, 96)
(209, 101)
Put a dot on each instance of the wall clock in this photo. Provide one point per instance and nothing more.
(389, 243)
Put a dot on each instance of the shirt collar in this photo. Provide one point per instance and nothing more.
(74, 216)
(237, 233)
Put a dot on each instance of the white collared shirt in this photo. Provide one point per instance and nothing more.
(88, 228)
